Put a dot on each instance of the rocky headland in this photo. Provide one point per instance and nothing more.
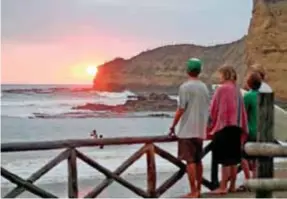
(163, 69)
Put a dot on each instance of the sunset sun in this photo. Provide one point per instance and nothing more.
(92, 70)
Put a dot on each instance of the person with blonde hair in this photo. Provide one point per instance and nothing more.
(264, 88)
(227, 127)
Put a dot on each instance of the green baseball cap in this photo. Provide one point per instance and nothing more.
(193, 64)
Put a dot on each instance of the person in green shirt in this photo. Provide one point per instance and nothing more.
(251, 101)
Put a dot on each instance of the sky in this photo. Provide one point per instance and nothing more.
(54, 41)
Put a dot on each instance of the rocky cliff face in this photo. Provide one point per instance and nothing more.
(163, 69)
(266, 42)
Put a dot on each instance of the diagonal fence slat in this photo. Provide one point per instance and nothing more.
(165, 155)
(38, 174)
(170, 182)
(134, 157)
(207, 149)
(27, 185)
(109, 174)
(180, 164)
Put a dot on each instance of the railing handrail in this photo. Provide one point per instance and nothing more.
(76, 143)
(265, 149)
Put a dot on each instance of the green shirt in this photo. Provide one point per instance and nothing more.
(250, 102)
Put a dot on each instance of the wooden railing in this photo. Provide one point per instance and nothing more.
(265, 183)
(265, 150)
(264, 165)
(71, 153)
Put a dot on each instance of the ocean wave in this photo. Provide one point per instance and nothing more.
(124, 94)
(65, 90)
(23, 106)
(47, 90)
(98, 114)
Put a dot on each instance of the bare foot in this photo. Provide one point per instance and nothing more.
(219, 191)
(191, 195)
(232, 190)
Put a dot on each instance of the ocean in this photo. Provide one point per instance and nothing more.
(44, 113)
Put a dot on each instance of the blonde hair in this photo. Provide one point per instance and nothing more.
(259, 69)
(228, 73)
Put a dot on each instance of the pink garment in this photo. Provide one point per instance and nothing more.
(224, 109)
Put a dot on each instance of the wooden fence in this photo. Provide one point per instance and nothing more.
(264, 151)
(71, 152)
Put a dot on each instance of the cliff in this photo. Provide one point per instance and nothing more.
(163, 68)
(266, 42)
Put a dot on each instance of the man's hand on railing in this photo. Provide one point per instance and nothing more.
(172, 131)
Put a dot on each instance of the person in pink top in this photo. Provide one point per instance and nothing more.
(227, 127)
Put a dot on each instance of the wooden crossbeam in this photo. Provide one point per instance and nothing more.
(58, 144)
(181, 165)
(167, 156)
(27, 185)
(95, 192)
(207, 149)
(110, 174)
(38, 174)
(170, 182)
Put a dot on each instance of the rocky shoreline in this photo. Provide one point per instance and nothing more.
(146, 104)
(152, 102)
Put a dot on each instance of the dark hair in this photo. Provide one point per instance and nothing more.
(194, 73)
(259, 69)
(228, 73)
(254, 80)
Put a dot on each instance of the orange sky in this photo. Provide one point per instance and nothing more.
(54, 41)
(64, 60)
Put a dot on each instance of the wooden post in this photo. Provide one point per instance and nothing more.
(72, 175)
(264, 166)
(151, 171)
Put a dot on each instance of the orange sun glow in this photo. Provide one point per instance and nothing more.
(92, 70)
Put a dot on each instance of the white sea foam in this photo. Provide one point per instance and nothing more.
(23, 106)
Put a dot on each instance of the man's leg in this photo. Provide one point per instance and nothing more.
(233, 176)
(191, 171)
(194, 167)
(199, 173)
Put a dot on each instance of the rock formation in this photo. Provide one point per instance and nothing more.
(266, 43)
(153, 102)
(163, 69)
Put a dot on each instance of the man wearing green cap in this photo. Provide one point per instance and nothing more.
(192, 113)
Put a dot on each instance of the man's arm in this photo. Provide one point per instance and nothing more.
(180, 110)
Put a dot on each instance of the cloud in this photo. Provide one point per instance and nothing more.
(167, 20)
